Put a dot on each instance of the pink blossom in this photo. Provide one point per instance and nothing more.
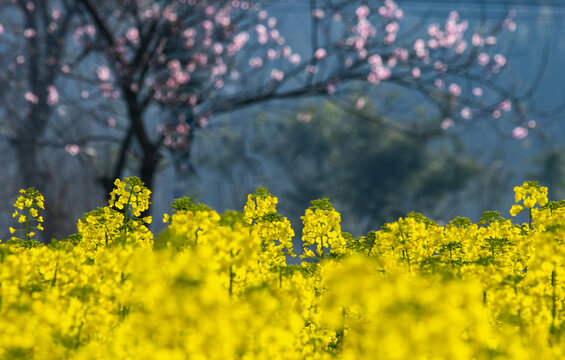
(201, 59)
(1, 29)
(218, 48)
(277, 75)
(416, 73)
(434, 30)
(271, 54)
(311, 69)
(189, 33)
(31, 97)
(477, 40)
(375, 60)
(360, 103)
(148, 13)
(389, 39)
(174, 64)
(362, 12)
(183, 128)
(72, 149)
(222, 18)
(274, 34)
(454, 89)
(272, 22)
(103, 73)
(208, 26)
(461, 47)
(330, 88)
(170, 14)
(337, 16)
(90, 30)
(320, 53)
(500, 60)
(439, 83)
(219, 69)
(420, 48)
(203, 121)
(383, 73)
(373, 78)
(491, 40)
(440, 67)
(56, 14)
(478, 92)
(133, 35)
(29, 33)
(532, 124)
(261, 29)
(20, 59)
(262, 39)
(505, 105)
(401, 53)
(519, 132)
(262, 15)
(304, 117)
(392, 27)
(111, 122)
(255, 62)
(433, 44)
(52, 95)
(496, 114)
(318, 13)
(446, 124)
(65, 69)
(84, 94)
(238, 43)
(483, 59)
(510, 25)
(466, 113)
(348, 61)
(294, 59)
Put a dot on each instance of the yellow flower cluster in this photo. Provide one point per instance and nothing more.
(113, 224)
(130, 193)
(217, 286)
(322, 228)
(27, 207)
(530, 193)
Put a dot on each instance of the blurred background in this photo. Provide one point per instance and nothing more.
(384, 107)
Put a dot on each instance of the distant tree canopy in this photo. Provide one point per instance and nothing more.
(123, 85)
(372, 173)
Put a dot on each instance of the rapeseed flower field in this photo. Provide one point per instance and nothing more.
(218, 286)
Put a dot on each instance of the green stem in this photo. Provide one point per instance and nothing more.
(231, 274)
(54, 280)
(553, 299)
(530, 222)
(26, 236)
(231, 279)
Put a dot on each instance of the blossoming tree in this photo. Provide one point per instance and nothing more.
(170, 67)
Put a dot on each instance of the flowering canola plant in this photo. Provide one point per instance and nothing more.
(218, 286)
